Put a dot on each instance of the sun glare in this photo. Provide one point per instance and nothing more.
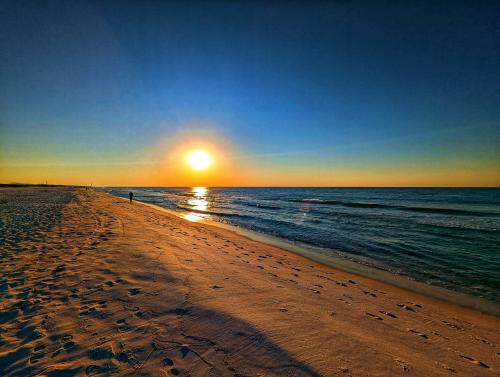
(199, 160)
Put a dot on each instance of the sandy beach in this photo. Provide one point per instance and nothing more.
(93, 285)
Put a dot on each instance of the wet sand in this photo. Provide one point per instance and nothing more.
(92, 285)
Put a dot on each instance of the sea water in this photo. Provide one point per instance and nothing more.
(448, 237)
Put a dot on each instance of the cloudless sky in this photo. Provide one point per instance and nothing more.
(286, 93)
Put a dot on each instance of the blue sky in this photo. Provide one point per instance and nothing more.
(314, 84)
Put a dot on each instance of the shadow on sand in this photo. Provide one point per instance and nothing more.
(85, 309)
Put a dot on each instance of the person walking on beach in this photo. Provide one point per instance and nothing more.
(130, 195)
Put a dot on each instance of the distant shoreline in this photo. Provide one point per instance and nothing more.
(35, 185)
(326, 187)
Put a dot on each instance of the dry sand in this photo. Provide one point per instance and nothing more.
(93, 285)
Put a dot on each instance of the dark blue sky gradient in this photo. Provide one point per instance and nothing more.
(306, 82)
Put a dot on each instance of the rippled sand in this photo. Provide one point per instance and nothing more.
(92, 285)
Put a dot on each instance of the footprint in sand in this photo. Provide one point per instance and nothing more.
(101, 353)
(483, 341)
(418, 333)
(475, 362)
(441, 336)
(96, 370)
(69, 346)
(389, 314)
(35, 357)
(134, 291)
(39, 347)
(452, 325)
(167, 362)
(404, 306)
(344, 301)
(123, 357)
(403, 364)
(122, 325)
(28, 334)
(374, 316)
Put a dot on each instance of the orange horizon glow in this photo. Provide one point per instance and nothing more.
(247, 175)
(219, 163)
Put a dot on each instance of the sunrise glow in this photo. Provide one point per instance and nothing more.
(199, 160)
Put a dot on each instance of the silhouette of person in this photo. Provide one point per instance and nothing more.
(130, 195)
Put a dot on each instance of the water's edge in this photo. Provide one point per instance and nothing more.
(337, 262)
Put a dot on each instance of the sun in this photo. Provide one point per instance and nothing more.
(199, 160)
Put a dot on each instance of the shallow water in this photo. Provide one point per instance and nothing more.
(439, 236)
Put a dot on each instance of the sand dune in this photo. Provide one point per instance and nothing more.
(91, 285)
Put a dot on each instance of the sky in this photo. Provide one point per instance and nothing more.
(115, 93)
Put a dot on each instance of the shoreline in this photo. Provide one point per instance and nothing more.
(344, 264)
(91, 285)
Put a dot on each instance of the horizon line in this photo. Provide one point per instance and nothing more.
(18, 184)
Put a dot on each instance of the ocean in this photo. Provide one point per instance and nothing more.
(446, 237)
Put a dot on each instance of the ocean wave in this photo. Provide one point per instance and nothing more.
(262, 206)
(339, 202)
(214, 213)
(437, 210)
(265, 206)
(256, 205)
(460, 227)
(446, 211)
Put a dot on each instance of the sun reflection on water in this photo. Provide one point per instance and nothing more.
(193, 216)
(199, 204)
